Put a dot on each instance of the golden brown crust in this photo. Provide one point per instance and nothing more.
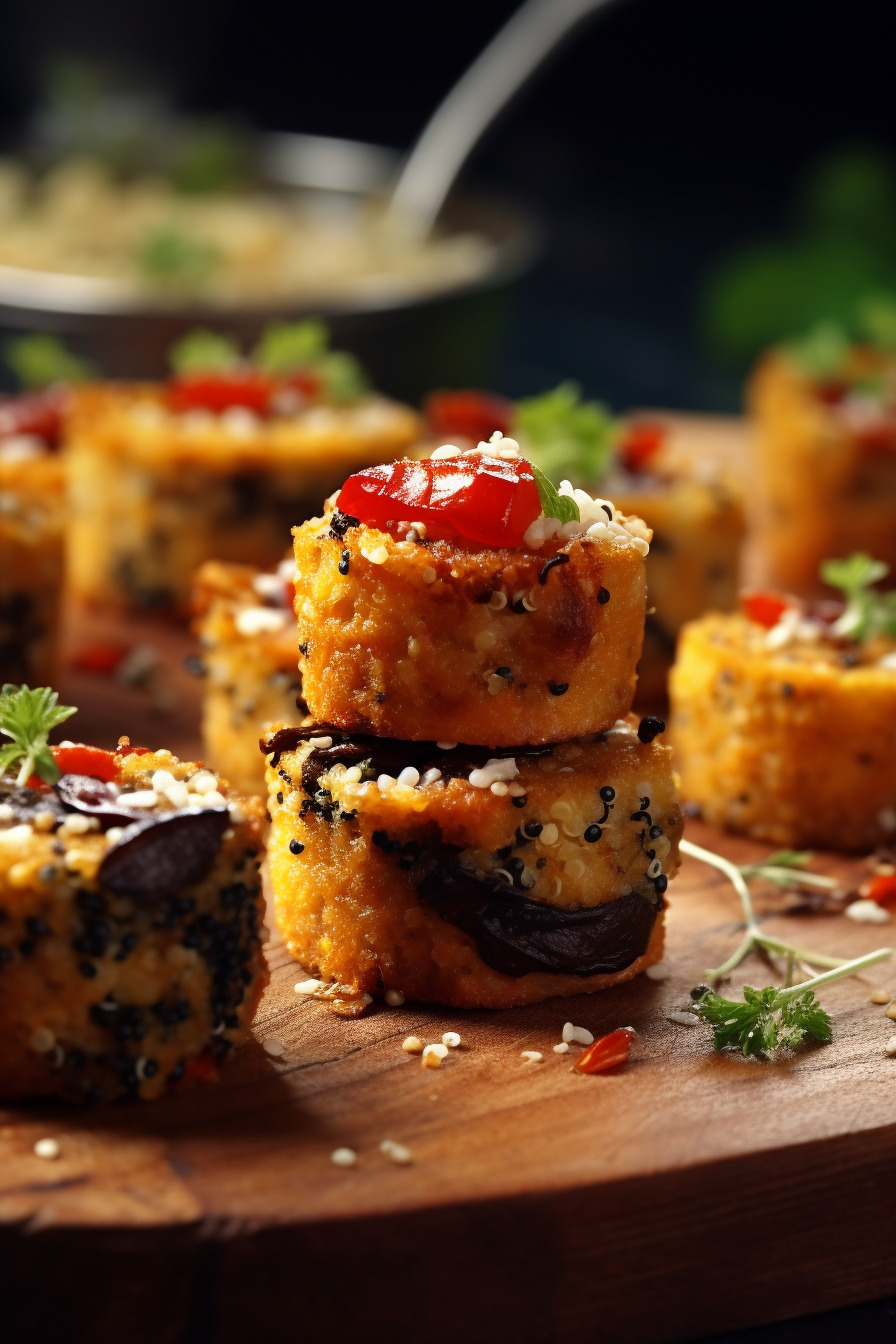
(409, 644)
(788, 747)
(32, 567)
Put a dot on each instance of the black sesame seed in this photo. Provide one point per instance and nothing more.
(650, 727)
(660, 884)
(504, 672)
(27, 947)
(520, 801)
(515, 866)
(533, 829)
(38, 928)
(150, 1068)
(593, 833)
(655, 832)
(608, 511)
(557, 560)
(344, 562)
(87, 969)
(608, 793)
(177, 1072)
(381, 697)
(699, 990)
(485, 597)
(558, 687)
(603, 596)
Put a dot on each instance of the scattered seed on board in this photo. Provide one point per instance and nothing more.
(343, 1157)
(48, 1149)
(880, 996)
(562, 1048)
(272, 1047)
(394, 998)
(581, 1035)
(867, 912)
(891, 1012)
(890, 1046)
(683, 1019)
(308, 987)
(531, 1056)
(659, 971)
(412, 1044)
(451, 1039)
(433, 1055)
(396, 1152)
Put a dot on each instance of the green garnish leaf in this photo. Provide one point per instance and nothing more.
(868, 613)
(877, 321)
(39, 360)
(27, 717)
(343, 378)
(553, 504)
(822, 351)
(168, 256)
(767, 1020)
(287, 346)
(204, 352)
(567, 437)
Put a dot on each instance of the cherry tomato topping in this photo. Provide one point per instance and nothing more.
(480, 498)
(79, 759)
(764, 608)
(220, 391)
(201, 1069)
(881, 888)
(100, 658)
(643, 439)
(469, 414)
(36, 413)
(606, 1052)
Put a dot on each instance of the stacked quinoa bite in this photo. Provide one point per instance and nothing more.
(784, 715)
(696, 515)
(130, 914)
(217, 463)
(244, 622)
(471, 816)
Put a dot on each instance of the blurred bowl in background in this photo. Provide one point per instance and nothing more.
(409, 337)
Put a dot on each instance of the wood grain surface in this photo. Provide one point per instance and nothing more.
(683, 1194)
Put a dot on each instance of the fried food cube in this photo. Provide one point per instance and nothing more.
(32, 566)
(130, 929)
(792, 744)
(461, 878)
(249, 657)
(456, 641)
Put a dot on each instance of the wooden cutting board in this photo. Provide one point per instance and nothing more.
(686, 1193)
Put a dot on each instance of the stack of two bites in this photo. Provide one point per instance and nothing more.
(472, 816)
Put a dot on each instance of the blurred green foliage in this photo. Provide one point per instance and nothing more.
(837, 265)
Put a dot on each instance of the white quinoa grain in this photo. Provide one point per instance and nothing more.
(451, 1039)
(140, 798)
(497, 601)
(446, 746)
(891, 1012)
(867, 912)
(307, 987)
(48, 1149)
(428, 575)
(562, 1048)
(384, 783)
(203, 782)
(409, 777)
(659, 971)
(412, 1045)
(343, 1157)
(394, 998)
(396, 1152)
(431, 776)
(484, 640)
(272, 1047)
(433, 1055)
(320, 743)
(890, 1046)
(531, 1056)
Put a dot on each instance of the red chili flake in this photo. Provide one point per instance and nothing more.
(217, 392)
(468, 414)
(642, 441)
(79, 759)
(37, 413)
(124, 748)
(481, 498)
(606, 1052)
(100, 658)
(881, 889)
(763, 607)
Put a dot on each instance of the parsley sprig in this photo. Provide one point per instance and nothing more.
(283, 348)
(39, 360)
(27, 717)
(566, 435)
(771, 1018)
(868, 613)
(553, 504)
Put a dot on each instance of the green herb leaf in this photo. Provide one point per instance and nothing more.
(553, 504)
(767, 1020)
(343, 378)
(27, 717)
(168, 256)
(822, 351)
(877, 321)
(287, 346)
(39, 360)
(565, 436)
(204, 352)
(868, 613)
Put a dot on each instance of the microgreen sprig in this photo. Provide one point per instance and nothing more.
(203, 351)
(27, 717)
(39, 359)
(868, 613)
(553, 504)
(566, 435)
(787, 869)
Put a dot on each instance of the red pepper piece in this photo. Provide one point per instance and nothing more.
(606, 1052)
(764, 608)
(100, 658)
(468, 414)
(643, 439)
(304, 380)
(79, 759)
(217, 392)
(881, 888)
(37, 413)
(879, 438)
(201, 1069)
(480, 498)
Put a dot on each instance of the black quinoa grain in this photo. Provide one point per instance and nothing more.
(546, 569)
(558, 687)
(603, 596)
(655, 832)
(608, 793)
(593, 833)
(38, 928)
(533, 829)
(504, 672)
(344, 562)
(515, 866)
(194, 665)
(699, 990)
(660, 884)
(650, 727)
(520, 801)
(482, 598)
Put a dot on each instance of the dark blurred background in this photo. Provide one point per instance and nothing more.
(683, 154)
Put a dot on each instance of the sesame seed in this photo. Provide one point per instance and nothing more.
(497, 601)
(140, 798)
(880, 996)
(307, 987)
(446, 746)
(49, 1149)
(485, 639)
(549, 834)
(581, 1036)
(162, 780)
(562, 1048)
(409, 777)
(343, 1157)
(272, 1047)
(867, 912)
(433, 1056)
(412, 1045)
(531, 1056)
(659, 971)
(384, 783)
(394, 998)
(396, 1152)
(451, 1039)
(568, 1032)
(890, 1047)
